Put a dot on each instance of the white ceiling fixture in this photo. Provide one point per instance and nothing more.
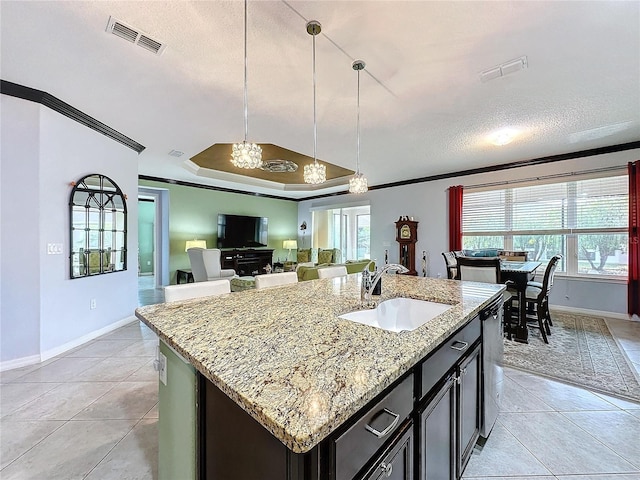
(135, 36)
(358, 183)
(314, 173)
(505, 68)
(245, 154)
(504, 136)
(176, 153)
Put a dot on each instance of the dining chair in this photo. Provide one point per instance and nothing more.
(513, 256)
(538, 299)
(276, 279)
(539, 284)
(479, 269)
(487, 270)
(451, 262)
(330, 272)
(185, 291)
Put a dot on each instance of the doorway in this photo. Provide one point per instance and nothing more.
(153, 244)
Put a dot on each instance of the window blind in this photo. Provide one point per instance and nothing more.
(592, 205)
(585, 220)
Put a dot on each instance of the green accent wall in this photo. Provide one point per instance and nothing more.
(193, 214)
(177, 419)
(146, 216)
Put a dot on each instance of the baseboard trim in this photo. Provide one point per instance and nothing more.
(19, 362)
(586, 311)
(84, 339)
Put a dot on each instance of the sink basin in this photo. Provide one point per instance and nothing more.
(398, 314)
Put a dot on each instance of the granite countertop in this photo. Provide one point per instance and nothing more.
(283, 355)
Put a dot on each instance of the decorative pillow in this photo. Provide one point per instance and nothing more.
(304, 255)
(325, 256)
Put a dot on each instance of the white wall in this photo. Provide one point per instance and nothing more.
(44, 312)
(19, 227)
(428, 203)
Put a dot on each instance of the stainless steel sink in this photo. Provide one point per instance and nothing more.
(398, 314)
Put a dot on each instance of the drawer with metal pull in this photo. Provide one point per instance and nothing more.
(355, 447)
(437, 365)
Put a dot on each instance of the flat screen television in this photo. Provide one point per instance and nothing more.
(242, 231)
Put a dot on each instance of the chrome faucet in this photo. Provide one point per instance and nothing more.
(369, 281)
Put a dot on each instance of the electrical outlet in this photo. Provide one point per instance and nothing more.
(160, 366)
(148, 262)
(93, 304)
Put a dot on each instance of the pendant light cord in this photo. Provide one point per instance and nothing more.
(358, 132)
(246, 101)
(315, 128)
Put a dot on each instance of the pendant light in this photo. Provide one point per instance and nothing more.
(358, 183)
(245, 154)
(314, 173)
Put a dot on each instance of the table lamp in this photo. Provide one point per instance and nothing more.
(195, 244)
(289, 245)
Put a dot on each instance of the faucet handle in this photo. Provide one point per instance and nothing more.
(366, 278)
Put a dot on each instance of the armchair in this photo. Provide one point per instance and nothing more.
(206, 265)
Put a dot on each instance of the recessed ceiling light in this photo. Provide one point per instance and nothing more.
(503, 136)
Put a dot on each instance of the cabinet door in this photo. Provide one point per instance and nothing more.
(396, 463)
(468, 407)
(437, 439)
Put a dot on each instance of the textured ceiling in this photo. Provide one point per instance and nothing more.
(424, 110)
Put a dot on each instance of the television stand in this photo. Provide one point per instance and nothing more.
(247, 262)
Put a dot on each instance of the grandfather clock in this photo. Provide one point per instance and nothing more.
(407, 236)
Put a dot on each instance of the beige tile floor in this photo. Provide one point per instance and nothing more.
(92, 413)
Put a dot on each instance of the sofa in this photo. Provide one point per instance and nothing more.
(319, 255)
(309, 270)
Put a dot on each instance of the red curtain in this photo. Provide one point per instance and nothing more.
(455, 217)
(634, 238)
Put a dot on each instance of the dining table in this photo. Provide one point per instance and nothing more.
(520, 273)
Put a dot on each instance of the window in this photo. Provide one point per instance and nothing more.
(363, 247)
(586, 221)
(346, 229)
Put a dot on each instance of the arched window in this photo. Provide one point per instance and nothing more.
(98, 218)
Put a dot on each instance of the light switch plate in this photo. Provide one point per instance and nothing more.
(54, 249)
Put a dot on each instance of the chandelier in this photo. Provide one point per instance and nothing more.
(314, 173)
(245, 154)
(358, 183)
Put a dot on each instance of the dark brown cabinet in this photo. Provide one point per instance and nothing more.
(436, 429)
(468, 412)
(247, 262)
(396, 461)
(450, 420)
(424, 426)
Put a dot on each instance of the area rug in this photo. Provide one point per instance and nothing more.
(581, 351)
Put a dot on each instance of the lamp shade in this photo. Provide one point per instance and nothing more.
(195, 244)
(290, 244)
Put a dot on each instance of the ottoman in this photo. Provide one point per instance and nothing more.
(242, 283)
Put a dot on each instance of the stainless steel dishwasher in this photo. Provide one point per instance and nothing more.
(492, 353)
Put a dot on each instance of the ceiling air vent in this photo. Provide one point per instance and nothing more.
(505, 68)
(130, 34)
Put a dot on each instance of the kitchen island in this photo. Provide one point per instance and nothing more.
(285, 360)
